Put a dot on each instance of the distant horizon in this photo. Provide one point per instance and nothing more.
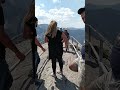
(64, 12)
(67, 27)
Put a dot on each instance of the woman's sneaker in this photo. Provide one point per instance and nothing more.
(53, 75)
(60, 72)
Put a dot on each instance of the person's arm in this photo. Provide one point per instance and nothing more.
(46, 39)
(64, 37)
(5, 40)
(39, 44)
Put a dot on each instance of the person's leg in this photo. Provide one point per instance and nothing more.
(67, 46)
(1, 17)
(37, 61)
(5, 77)
(60, 63)
(9, 79)
(38, 81)
(54, 65)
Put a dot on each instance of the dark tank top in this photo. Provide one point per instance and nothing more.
(55, 45)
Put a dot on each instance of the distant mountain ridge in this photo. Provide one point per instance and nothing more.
(78, 33)
(41, 29)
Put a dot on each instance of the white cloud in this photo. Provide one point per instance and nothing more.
(62, 15)
(56, 1)
(39, 11)
(42, 5)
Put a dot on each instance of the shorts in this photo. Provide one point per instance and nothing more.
(1, 16)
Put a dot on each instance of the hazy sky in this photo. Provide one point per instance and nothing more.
(63, 11)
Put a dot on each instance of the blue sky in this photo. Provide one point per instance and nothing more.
(63, 11)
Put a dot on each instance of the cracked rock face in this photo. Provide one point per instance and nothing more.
(14, 12)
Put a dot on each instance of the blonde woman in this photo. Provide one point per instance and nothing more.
(55, 39)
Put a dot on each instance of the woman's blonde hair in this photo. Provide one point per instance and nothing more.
(52, 29)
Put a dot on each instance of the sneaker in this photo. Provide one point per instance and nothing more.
(60, 72)
(53, 75)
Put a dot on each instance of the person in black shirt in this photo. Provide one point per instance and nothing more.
(30, 33)
(5, 75)
(55, 39)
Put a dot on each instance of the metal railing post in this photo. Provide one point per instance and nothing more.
(101, 50)
(100, 56)
(72, 39)
(77, 47)
(89, 40)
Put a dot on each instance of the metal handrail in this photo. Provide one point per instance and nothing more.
(100, 55)
(98, 58)
(79, 45)
(76, 40)
(103, 38)
(76, 51)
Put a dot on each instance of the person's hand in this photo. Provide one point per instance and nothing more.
(43, 50)
(20, 56)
